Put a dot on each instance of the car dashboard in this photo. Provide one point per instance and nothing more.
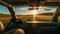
(43, 28)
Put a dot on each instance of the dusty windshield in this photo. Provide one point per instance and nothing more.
(43, 13)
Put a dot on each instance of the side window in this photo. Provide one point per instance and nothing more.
(4, 14)
(58, 10)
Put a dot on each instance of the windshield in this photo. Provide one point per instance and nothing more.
(30, 13)
(44, 13)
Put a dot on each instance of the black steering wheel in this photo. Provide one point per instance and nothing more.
(16, 24)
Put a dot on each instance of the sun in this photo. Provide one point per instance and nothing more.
(34, 12)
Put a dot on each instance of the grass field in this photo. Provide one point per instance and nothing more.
(6, 18)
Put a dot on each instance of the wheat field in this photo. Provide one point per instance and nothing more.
(7, 19)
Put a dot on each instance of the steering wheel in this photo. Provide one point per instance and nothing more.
(16, 24)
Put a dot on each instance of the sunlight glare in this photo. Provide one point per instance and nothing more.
(34, 14)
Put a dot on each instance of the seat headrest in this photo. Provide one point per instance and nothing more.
(1, 26)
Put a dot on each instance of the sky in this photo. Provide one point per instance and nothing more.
(4, 10)
(23, 10)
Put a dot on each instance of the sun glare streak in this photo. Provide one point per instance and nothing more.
(34, 14)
